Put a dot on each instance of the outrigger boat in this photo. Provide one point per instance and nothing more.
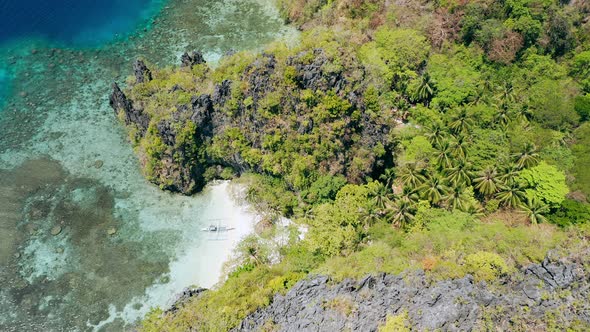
(214, 228)
(217, 228)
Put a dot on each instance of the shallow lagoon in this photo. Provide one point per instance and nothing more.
(68, 177)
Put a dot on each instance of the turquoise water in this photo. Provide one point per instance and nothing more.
(72, 22)
(4, 86)
(69, 177)
(67, 23)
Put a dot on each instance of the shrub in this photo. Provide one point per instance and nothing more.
(396, 323)
(582, 106)
(284, 282)
(324, 189)
(485, 266)
(341, 304)
(571, 213)
(546, 183)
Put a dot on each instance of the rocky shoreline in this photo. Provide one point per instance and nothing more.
(552, 293)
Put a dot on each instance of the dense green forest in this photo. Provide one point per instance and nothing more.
(448, 135)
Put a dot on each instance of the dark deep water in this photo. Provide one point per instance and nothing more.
(72, 22)
(69, 23)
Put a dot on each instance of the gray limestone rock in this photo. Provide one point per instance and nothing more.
(315, 304)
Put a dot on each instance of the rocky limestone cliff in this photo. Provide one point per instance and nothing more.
(180, 166)
(192, 59)
(555, 292)
(142, 72)
(122, 105)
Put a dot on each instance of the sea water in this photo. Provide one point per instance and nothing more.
(86, 243)
(73, 22)
(4, 86)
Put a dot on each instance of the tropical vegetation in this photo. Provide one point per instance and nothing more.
(449, 136)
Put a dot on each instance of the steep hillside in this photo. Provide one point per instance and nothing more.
(447, 136)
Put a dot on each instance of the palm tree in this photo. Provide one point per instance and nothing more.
(456, 199)
(411, 175)
(459, 146)
(510, 172)
(534, 210)
(523, 114)
(528, 157)
(502, 117)
(510, 194)
(505, 93)
(425, 89)
(402, 213)
(371, 217)
(461, 122)
(387, 177)
(504, 100)
(253, 250)
(435, 133)
(380, 196)
(443, 154)
(252, 195)
(488, 181)
(475, 210)
(308, 212)
(460, 174)
(434, 189)
(409, 195)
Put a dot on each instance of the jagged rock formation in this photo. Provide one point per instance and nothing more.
(263, 99)
(556, 288)
(142, 72)
(186, 295)
(121, 104)
(192, 59)
(314, 75)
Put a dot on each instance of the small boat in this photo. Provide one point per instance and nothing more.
(217, 228)
(211, 228)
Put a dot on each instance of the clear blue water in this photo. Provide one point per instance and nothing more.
(72, 22)
(68, 23)
(4, 86)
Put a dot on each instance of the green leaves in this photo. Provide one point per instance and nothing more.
(552, 104)
(434, 189)
(581, 151)
(457, 79)
(527, 157)
(398, 52)
(488, 181)
(535, 210)
(402, 48)
(337, 228)
(545, 183)
(511, 194)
